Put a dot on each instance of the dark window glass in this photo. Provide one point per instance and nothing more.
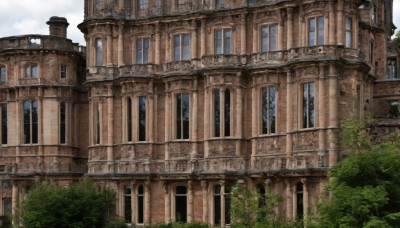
(227, 41)
(30, 122)
(140, 205)
(218, 42)
(261, 201)
(97, 124)
(227, 196)
(128, 205)
(182, 117)
(268, 110)
(35, 121)
(142, 51)
(143, 4)
(308, 105)
(31, 71)
(349, 26)
(299, 201)
(99, 52)
(219, 3)
(227, 113)
(4, 130)
(129, 118)
(3, 73)
(321, 30)
(311, 32)
(7, 205)
(181, 47)
(217, 127)
(142, 118)
(27, 122)
(316, 31)
(217, 205)
(181, 204)
(62, 122)
(98, 4)
(268, 38)
(63, 71)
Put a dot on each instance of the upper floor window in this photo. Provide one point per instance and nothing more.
(374, 14)
(31, 71)
(63, 115)
(142, 118)
(96, 123)
(268, 38)
(391, 70)
(268, 115)
(181, 47)
(349, 32)
(219, 3)
(143, 4)
(222, 105)
(308, 118)
(182, 4)
(142, 50)
(223, 40)
(4, 129)
(316, 31)
(98, 4)
(182, 116)
(63, 71)
(3, 73)
(99, 52)
(139, 125)
(30, 122)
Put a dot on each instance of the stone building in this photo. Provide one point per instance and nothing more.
(42, 101)
(186, 98)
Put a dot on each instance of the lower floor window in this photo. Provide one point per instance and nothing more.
(222, 205)
(181, 204)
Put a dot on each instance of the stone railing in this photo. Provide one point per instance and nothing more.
(31, 81)
(36, 167)
(220, 61)
(222, 147)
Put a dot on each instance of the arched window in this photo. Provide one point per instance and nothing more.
(181, 204)
(99, 52)
(30, 122)
(299, 201)
(128, 204)
(140, 205)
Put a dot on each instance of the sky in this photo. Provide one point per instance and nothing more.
(19, 17)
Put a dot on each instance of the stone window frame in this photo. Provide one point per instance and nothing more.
(63, 124)
(222, 113)
(174, 115)
(173, 195)
(232, 40)
(4, 123)
(133, 127)
(97, 119)
(29, 71)
(3, 72)
(296, 193)
(212, 205)
(260, 93)
(392, 68)
(149, 49)
(260, 37)
(33, 133)
(137, 195)
(316, 31)
(349, 32)
(301, 106)
(63, 71)
(127, 197)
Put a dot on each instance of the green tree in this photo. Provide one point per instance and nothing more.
(365, 187)
(253, 208)
(78, 205)
(396, 39)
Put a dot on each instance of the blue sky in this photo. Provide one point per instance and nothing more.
(20, 17)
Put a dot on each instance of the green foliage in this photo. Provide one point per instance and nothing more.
(394, 111)
(365, 187)
(396, 39)
(117, 223)
(249, 208)
(180, 225)
(78, 205)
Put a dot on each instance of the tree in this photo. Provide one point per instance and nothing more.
(365, 187)
(78, 205)
(396, 39)
(255, 208)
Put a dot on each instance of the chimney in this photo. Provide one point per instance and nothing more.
(58, 26)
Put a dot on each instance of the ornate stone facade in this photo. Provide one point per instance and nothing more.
(187, 98)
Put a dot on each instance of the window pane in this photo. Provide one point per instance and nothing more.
(227, 113)
(305, 104)
(139, 51)
(177, 48)
(97, 124)
(27, 122)
(185, 115)
(227, 209)
(264, 39)
(272, 40)
(311, 105)
(4, 129)
(217, 113)
(62, 122)
(179, 116)
(264, 116)
(186, 49)
(128, 205)
(217, 205)
(35, 122)
(218, 42)
(99, 52)
(129, 118)
(140, 212)
(35, 71)
(272, 110)
(3, 72)
(180, 204)
(146, 50)
(311, 32)
(142, 118)
(227, 41)
(299, 201)
(320, 30)
(348, 32)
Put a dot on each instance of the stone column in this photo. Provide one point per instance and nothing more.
(121, 45)
(243, 34)
(222, 183)
(305, 197)
(205, 201)
(289, 118)
(194, 41)
(254, 120)
(321, 113)
(121, 4)
(133, 202)
(332, 32)
(289, 200)
(168, 121)
(339, 30)
(203, 38)
(14, 198)
(289, 34)
(167, 203)
(147, 204)
(333, 116)
(280, 36)
(150, 108)
(302, 40)
(255, 34)
(110, 123)
(109, 48)
(206, 118)
(194, 122)
(239, 111)
(157, 45)
(190, 202)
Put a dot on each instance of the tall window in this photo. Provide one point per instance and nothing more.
(374, 14)
(7, 205)
(316, 31)
(391, 71)
(63, 71)
(98, 4)
(182, 116)
(181, 47)
(181, 204)
(268, 38)
(143, 4)
(99, 52)
(31, 71)
(371, 52)
(96, 123)
(3, 73)
(4, 129)
(349, 32)
(182, 4)
(142, 118)
(222, 198)
(140, 205)
(129, 118)
(225, 107)
(31, 122)
(142, 50)
(308, 105)
(63, 110)
(128, 204)
(219, 3)
(268, 117)
(223, 40)
(299, 201)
